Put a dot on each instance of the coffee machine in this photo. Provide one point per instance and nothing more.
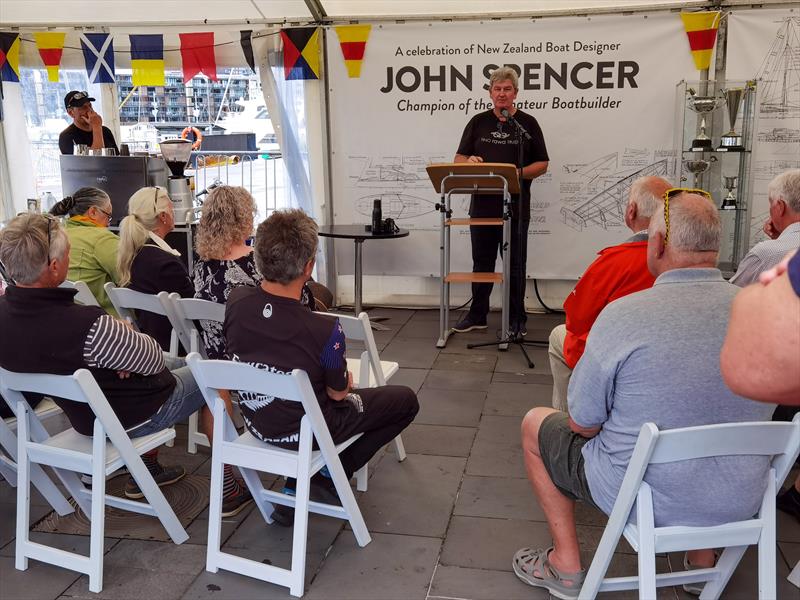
(180, 187)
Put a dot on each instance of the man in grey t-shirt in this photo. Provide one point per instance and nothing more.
(652, 356)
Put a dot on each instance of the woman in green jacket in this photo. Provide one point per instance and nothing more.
(93, 252)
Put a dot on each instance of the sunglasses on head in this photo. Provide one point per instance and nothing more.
(671, 193)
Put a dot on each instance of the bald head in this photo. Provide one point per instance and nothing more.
(693, 236)
(644, 199)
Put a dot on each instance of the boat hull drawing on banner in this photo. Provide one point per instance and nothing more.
(400, 207)
(780, 73)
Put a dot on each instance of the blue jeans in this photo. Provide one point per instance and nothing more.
(185, 400)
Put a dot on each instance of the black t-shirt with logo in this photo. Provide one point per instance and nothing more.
(73, 135)
(496, 141)
(279, 334)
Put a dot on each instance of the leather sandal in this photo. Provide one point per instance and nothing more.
(534, 568)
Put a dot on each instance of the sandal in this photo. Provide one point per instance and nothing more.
(528, 563)
(695, 589)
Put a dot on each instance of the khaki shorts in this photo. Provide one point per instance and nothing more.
(560, 449)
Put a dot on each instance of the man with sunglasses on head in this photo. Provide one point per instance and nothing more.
(652, 356)
(87, 126)
(46, 331)
(616, 272)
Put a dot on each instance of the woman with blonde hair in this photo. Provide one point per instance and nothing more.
(93, 253)
(145, 262)
(225, 259)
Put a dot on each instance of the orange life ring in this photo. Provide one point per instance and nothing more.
(198, 136)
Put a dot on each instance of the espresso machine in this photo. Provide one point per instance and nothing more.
(180, 187)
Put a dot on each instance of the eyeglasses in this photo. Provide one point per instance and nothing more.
(671, 193)
(106, 213)
(50, 220)
(155, 201)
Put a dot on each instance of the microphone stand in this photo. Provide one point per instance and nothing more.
(506, 337)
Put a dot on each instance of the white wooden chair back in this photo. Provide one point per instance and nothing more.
(779, 441)
(69, 453)
(250, 455)
(127, 301)
(84, 295)
(184, 314)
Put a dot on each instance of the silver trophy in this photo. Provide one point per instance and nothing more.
(697, 167)
(729, 203)
(732, 141)
(702, 105)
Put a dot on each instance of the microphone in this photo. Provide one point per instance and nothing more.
(215, 184)
(504, 112)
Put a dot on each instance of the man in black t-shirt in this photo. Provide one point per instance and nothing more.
(87, 126)
(492, 137)
(268, 327)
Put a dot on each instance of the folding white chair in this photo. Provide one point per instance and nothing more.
(84, 295)
(183, 314)
(126, 301)
(780, 441)
(251, 455)
(369, 370)
(69, 453)
(8, 460)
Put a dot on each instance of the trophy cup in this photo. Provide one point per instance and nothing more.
(702, 105)
(697, 166)
(729, 203)
(732, 141)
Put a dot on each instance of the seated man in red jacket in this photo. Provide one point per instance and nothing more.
(616, 272)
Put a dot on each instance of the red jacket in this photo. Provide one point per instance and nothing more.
(616, 272)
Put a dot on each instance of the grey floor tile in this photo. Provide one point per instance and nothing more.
(224, 585)
(450, 407)
(427, 329)
(125, 583)
(788, 528)
(513, 361)
(157, 557)
(8, 519)
(396, 316)
(497, 451)
(790, 552)
(412, 378)
(38, 582)
(198, 529)
(626, 564)
(437, 440)
(390, 567)
(254, 534)
(465, 362)
(523, 377)
(516, 399)
(78, 544)
(457, 343)
(498, 498)
(481, 584)
(458, 380)
(413, 353)
(413, 497)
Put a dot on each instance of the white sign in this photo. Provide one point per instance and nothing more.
(601, 88)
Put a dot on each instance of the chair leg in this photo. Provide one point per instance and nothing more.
(23, 489)
(215, 507)
(647, 549)
(399, 449)
(300, 534)
(193, 422)
(97, 518)
(726, 565)
(362, 478)
(767, 570)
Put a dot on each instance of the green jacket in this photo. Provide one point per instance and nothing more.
(93, 258)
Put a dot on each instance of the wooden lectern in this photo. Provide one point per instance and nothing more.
(472, 178)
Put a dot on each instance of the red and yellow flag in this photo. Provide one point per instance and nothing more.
(353, 41)
(51, 47)
(701, 29)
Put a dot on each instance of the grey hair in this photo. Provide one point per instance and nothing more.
(80, 202)
(143, 209)
(647, 193)
(503, 73)
(694, 224)
(285, 242)
(786, 187)
(23, 246)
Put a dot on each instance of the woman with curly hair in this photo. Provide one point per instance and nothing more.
(146, 263)
(93, 253)
(225, 260)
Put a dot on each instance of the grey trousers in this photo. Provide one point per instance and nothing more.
(561, 372)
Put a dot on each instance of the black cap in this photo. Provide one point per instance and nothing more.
(74, 99)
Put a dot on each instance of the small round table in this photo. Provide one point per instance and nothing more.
(358, 234)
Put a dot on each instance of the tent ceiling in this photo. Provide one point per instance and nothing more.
(165, 12)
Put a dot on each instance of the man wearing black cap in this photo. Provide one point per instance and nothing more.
(87, 126)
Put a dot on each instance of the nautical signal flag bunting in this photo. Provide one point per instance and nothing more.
(197, 54)
(51, 47)
(147, 59)
(9, 57)
(353, 42)
(300, 52)
(701, 29)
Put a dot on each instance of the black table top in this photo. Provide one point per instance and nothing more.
(357, 232)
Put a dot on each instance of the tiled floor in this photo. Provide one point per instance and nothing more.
(444, 523)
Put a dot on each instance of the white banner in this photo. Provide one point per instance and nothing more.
(765, 45)
(602, 89)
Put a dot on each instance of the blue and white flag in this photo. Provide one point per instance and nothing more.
(98, 52)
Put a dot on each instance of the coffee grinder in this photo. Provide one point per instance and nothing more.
(176, 153)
